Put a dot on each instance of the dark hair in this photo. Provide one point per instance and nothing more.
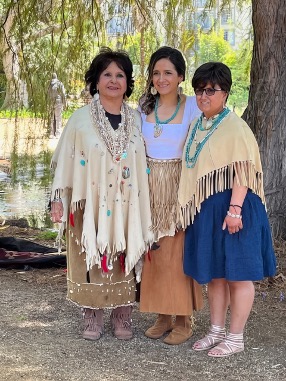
(103, 59)
(147, 100)
(215, 73)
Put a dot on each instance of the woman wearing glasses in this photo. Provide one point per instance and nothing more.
(166, 116)
(228, 242)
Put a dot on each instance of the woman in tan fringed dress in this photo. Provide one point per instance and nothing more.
(166, 116)
(100, 194)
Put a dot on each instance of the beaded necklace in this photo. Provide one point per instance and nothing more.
(191, 161)
(158, 128)
(116, 141)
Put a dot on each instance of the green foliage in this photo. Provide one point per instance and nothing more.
(132, 44)
(26, 166)
(63, 36)
(19, 113)
(47, 235)
(213, 47)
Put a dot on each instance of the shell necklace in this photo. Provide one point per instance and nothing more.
(191, 160)
(116, 141)
(158, 128)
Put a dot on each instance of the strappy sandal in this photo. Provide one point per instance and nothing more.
(233, 343)
(215, 336)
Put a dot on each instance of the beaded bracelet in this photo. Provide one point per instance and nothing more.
(234, 215)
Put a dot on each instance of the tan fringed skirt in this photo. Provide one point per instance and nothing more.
(165, 289)
(95, 289)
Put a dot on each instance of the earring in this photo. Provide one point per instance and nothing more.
(179, 91)
(153, 90)
(96, 96)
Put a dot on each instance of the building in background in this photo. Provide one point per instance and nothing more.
(233, 20)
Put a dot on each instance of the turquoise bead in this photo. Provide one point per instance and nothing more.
(82, 162)
(158, 121)
(109, 213)
(148, 171)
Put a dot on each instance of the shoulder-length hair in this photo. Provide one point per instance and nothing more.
(102, 60)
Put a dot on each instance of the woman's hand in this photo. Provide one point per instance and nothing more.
(233, 224)
(56, 211)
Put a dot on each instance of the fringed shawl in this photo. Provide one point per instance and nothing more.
(231, 151)
(117, 213)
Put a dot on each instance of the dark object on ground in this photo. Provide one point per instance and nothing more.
(20, 222)
(20, 253)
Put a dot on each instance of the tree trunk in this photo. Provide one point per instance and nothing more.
(16, 95)
(266, 111)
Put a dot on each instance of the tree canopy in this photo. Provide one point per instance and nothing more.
(39, 37)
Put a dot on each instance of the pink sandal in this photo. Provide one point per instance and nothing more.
(215, 336)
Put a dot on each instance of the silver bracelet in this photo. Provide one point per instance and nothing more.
(234, 215)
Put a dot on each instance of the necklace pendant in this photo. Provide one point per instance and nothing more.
(158, 129)
(209, 124)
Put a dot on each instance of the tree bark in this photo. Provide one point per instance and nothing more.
(266, 111)
(16, 92)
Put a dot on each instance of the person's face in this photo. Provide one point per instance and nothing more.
(112, 82)
(165, 77)
(211, 105)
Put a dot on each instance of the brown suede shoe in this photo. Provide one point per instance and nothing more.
(163, 324)
(178, 336)
(181, 332)
(93, 324)
(121, 322)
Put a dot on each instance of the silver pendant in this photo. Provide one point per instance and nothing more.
(209, 124)
(158, 129)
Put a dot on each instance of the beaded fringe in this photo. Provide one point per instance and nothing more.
(219, 181)
(164, 180)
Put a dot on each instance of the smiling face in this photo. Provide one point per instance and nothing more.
(211, 105)
(112, 82)
(165, 77)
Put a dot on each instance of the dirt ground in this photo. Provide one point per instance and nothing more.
(40, 336)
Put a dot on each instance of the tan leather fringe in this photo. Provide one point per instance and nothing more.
(164, 180)
(218, 181)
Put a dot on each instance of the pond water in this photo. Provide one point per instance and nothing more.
(25, 189)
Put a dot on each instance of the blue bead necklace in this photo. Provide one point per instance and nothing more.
(191, 161)
(158, 128)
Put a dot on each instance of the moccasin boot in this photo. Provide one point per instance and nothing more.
(93, 324)
(163, 324)
(121, 322)
(181, 332)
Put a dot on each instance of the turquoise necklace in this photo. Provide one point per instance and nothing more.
(191, 161)
(158, 128)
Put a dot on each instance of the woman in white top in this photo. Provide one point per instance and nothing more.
(166, 116)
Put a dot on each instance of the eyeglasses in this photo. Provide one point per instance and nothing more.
(208, 90)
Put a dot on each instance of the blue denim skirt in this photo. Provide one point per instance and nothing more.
(212, 253)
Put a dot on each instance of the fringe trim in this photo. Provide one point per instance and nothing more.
(164, 180)
(219, 181)
(93, 259)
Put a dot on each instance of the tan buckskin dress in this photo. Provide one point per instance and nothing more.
(165, 289)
